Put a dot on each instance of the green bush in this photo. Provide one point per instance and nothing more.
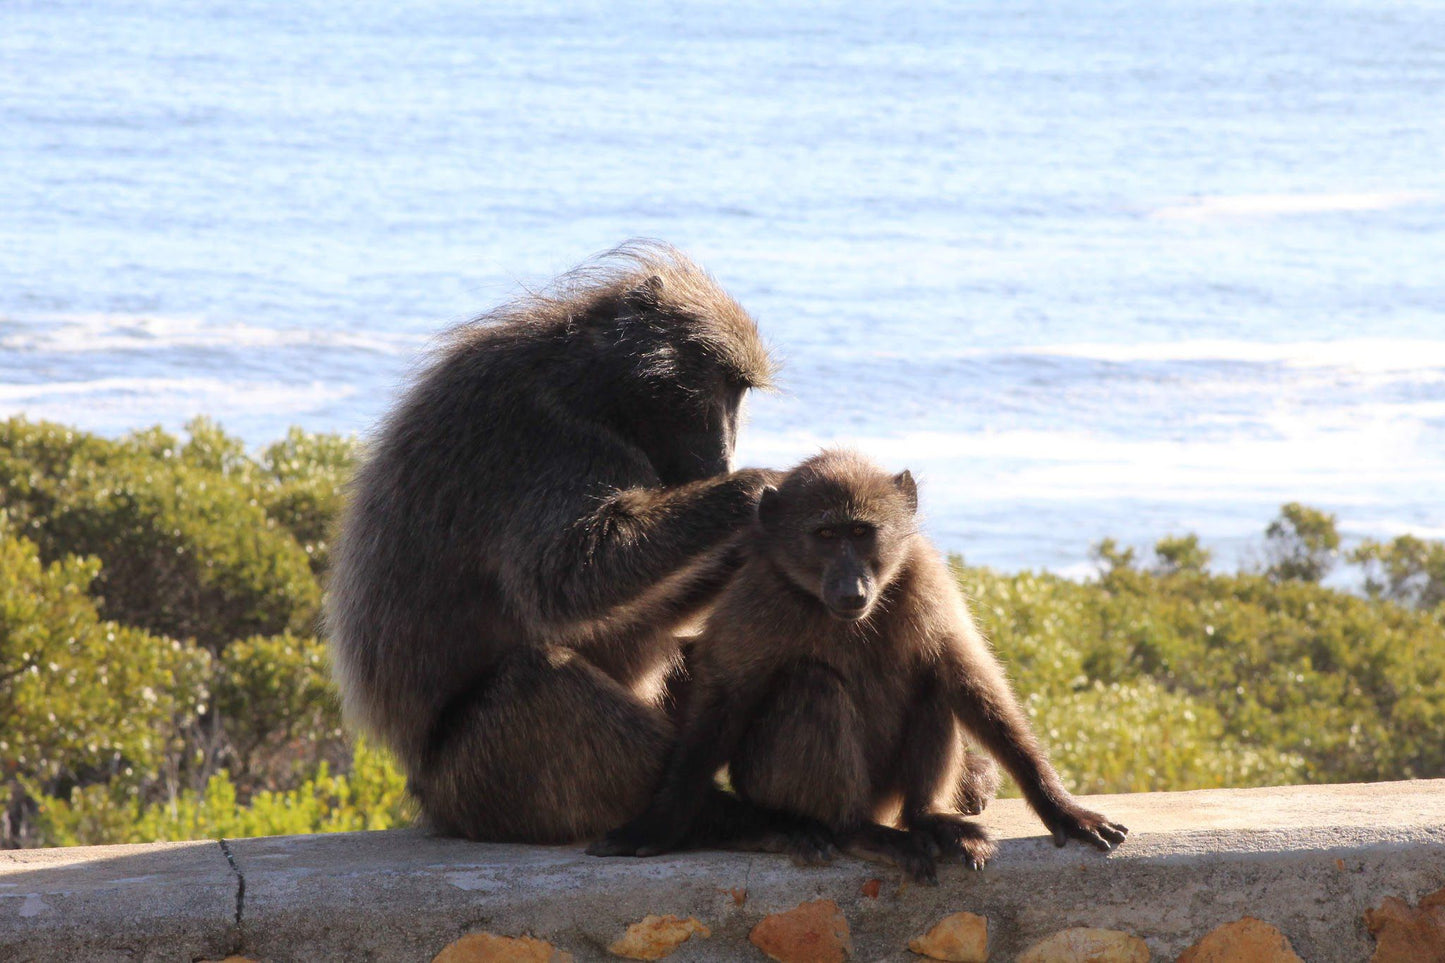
(1338, 687)
(1409, 571)
(186, 546)
(371, 796)
(278, 709)
(137, 550)
(84, 700)
(1302, 544)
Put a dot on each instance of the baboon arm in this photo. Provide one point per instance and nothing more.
(929, 750)
(985, 704)
(628, 547)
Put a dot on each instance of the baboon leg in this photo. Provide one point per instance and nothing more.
(727, 822)
(487, 777)
(803, 752)
(934, 771)
(689, 811)
(884, 844)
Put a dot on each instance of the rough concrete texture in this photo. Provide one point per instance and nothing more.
(164, 901)
(1309, 861)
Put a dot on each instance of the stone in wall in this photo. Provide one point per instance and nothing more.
(957, 938)
(1406, 934)
(1088, 945)
(815, 932)
(1244, 939)
(654, 937)
(490, 948)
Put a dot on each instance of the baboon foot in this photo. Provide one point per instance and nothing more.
(978, 785)
(948, 836)
(908, 851)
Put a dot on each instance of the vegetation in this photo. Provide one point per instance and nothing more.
(161, 677)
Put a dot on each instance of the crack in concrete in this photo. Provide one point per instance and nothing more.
(240, 892)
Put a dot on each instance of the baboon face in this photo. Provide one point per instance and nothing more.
(695, 436)
(687, 366)
(836, 526)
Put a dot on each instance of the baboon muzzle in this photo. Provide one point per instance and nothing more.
(849, 595)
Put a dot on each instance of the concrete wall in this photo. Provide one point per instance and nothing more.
(1309, 871)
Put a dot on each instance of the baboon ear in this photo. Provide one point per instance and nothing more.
(648, 291)
(768, 506)
(905, 484)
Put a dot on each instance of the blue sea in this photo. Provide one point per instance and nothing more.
(1094, 269)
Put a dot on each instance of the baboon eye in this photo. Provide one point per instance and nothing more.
(860, 530)
(826, 533)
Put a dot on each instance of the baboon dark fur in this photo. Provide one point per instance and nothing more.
(549, 501)
(835, 677)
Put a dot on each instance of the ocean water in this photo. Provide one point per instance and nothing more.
(1102, 269)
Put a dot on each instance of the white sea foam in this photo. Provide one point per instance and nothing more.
(1358, 354)
(1375, 355)
(94, 333)
(1270, 205)
(1365, 461)
(127, 402)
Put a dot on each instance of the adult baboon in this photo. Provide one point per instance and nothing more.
(832, 676)
(549, 500)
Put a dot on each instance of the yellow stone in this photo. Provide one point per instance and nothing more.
(1408, 934)
(653, 937)
(1087, 945)
(490, 948)
(957, 938)
(815, 932)
(1244, 939)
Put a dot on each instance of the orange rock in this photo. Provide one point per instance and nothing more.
(1245, 939)
(870, 889)
(490, 948)
(739, 895)
(653, 937)
(1408, 935)
(814, 932)
(1086, 945)
(958, 938)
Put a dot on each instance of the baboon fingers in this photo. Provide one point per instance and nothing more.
(1088, 827)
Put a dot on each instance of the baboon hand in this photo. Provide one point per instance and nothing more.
(1072, 821)
(754, 480)
(643, 836)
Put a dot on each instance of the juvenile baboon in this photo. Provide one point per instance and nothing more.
(832, 678)
(546, 504)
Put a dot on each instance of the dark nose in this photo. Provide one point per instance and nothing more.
(850, 597)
